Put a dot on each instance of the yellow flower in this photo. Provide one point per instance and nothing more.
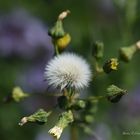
(114, 63)
(111, 65)
(63, 42)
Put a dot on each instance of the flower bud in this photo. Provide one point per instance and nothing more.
(56, 132)
(64, 119)
(111, 65)
(89, 118)
(57, 31)
(98, 50)
(126, 53)
(115, 93)
(80, 104)
(39, 117)
(18, 94)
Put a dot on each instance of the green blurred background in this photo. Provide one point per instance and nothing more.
(114, 22)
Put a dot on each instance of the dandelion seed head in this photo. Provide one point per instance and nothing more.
(68, 70)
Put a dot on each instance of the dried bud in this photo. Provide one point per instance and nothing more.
(126, 53)
(18, 94)
(63, 14)
(56, 132)
(115, 93)
(111, 65)
(64, 119)
(98, 50)
(138, 45)
(23, 121)
(39, 117)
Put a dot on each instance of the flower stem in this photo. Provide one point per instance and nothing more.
(97, 97)
(74, 133)
(98, 68)
(56, 50)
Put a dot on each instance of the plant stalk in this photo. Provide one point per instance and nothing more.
(74, 133)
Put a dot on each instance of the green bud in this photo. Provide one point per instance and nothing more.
(114, 93)
(111, 65)
(80, 104)
(64, 119)
(57, 31)
(18, 94)
(89, 118)
(98, 50)
(126, 53)
(88, 130)
(39, 117)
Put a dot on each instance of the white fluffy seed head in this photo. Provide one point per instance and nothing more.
(68, 70)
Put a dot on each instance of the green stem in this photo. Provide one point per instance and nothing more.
(74, 133)
(98, 68)
(97, 97)
(56, 50)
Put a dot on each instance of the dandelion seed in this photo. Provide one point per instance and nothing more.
(68, 70)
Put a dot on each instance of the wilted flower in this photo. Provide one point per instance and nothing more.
(68, 70)
(56, 132)
(40, 117)
(64, 120)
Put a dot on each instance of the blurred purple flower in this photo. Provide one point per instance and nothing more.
(43, 136)
(23, 35)
(32, 78)
(132, 103)
(103, 131)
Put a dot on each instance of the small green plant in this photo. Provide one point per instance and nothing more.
(69, 74)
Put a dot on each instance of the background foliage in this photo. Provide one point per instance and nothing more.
(114, 22)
